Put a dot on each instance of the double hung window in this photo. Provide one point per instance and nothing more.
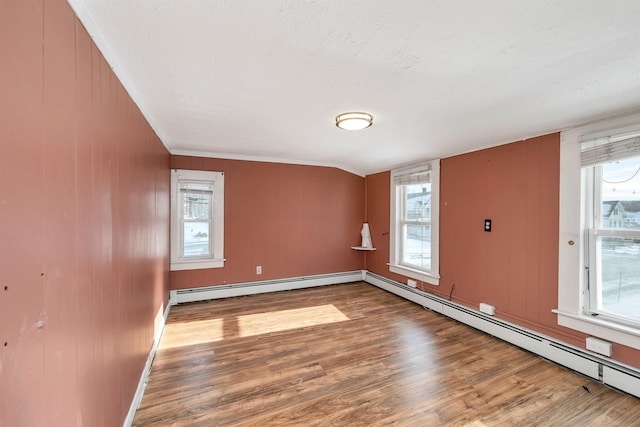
(197, 219)
(414, 222)
(611, 209)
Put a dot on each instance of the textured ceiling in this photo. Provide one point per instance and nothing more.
(264, 79)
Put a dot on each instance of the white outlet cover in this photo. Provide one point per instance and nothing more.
(487, 309)
(599, 346)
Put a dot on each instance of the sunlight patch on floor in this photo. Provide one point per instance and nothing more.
(192, 333)
(196, 332)
(275, 321)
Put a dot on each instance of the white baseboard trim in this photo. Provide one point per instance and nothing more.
(609, 372)
(252, 288)
(144, 377)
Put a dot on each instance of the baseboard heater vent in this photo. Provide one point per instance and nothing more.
(617, 375)
(251, 288)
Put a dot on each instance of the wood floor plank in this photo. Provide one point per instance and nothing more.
(356, 355)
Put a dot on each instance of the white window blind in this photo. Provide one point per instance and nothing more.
(610, 149)
(419, 176)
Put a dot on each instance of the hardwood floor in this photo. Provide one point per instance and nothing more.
(356, 355)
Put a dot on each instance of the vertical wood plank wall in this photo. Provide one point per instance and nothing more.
(84, 227)
(515, 267)
(292, 220)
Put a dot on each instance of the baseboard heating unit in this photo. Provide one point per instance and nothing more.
(251, 288)
(608, 372)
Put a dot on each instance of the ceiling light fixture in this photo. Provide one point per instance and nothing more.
(354, 121)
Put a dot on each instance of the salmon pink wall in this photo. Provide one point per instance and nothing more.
(292, 220)
(514, 267)
(84, 204)
(378, 205)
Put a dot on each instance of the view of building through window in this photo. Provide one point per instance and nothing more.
(620, 249)
(418, 225)
(196, 218)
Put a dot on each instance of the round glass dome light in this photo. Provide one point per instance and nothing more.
(354, 121)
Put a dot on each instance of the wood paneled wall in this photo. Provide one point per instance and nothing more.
(292, 220)
(514, 267)
(84, 227)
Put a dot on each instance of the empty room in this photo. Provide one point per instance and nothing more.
(266, 213)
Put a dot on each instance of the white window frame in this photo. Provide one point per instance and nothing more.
(432, 275)
(572, 276)
(594, 230)
(216, 257)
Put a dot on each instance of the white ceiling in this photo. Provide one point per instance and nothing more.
(264, 79)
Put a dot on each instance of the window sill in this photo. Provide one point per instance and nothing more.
(196, 265)
(415, 274)
(621, 334)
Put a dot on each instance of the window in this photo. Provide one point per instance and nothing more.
(611, 191)
(414, 222)
(197, 219)
(599, 247)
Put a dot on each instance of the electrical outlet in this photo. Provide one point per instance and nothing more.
(259, 269)
(487, 225)
(412, 283)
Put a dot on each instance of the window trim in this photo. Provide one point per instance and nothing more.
(571, 254)
(395, 248)
(595, 229)
(217, 224)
